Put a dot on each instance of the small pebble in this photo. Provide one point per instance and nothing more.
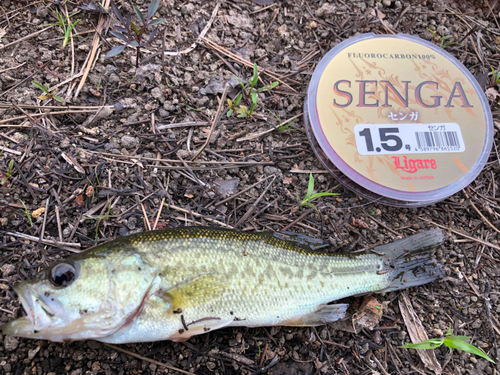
(313, 24)
(8, 269)
(10, 343)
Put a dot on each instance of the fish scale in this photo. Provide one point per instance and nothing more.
(199, 279)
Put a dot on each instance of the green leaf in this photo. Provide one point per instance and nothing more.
(134, 28)
(229, 103)
(119, 35)
(310, 187)
(273, 85)
(115, 51)
(116, 12)
(229, 112)
(269, 87)
(139, 14)
(134, 43)
(427, 344)
(40, 86)
(252, 107)
(73, 25)
(237, 100)
(286, 126)
(466, 347)
(156, 21)
(153, 7)
(254, 97)
(255, 77)
(11, 164)
(317, 195)
(58, 98)
(462, 338)
(242, 110)
(309, 205)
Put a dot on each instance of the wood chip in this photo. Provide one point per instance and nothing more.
(417, 333)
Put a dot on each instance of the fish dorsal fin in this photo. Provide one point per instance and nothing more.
(324, 314)
(310, 242)
(196, 291)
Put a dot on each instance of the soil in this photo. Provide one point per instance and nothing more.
(85, 178)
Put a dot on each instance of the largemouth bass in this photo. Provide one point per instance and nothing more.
(176, 283)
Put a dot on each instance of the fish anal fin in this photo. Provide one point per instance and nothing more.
(199, 290)
(323, 315)
(200, 327)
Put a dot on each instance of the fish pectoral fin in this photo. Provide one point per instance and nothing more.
(199, 327)
(196, 291)
(324, 314)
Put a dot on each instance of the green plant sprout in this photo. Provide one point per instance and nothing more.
(242, 111)
(97, 83)
(26, 212)
(495, 77)
(283, 126)
(47, 94)
(101, 218)
(8, 174)
(132, 34)
(452, 342)
(310, 196)
(66, 28)
(442, 39)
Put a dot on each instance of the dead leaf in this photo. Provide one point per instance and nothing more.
(71, 160)
(79, 200)
(417, 333)
(227, 187)
(492, 94)
(374, 12)
(360, 223)
(90, 191)
(287, 180)
(368, 316)
(38, 212)
(159, 225)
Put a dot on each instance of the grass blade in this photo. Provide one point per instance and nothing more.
(310, 187)
(427, 344)
(466, 347)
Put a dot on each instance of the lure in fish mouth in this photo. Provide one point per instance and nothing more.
(68, 302)
(177, 283)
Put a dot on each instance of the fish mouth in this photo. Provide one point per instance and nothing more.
(41, 313)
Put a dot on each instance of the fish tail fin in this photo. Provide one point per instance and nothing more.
(408, 261)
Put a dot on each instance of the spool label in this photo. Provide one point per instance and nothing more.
(385, 139)
(395, 110)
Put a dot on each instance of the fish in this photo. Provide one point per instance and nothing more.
(176, 283)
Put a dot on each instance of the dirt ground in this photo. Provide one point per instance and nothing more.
(118, 160)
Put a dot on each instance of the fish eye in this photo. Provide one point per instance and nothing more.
(62, 274)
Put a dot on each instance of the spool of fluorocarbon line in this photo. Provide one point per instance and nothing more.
(398, 119)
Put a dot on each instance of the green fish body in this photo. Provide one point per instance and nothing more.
(176, 283)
